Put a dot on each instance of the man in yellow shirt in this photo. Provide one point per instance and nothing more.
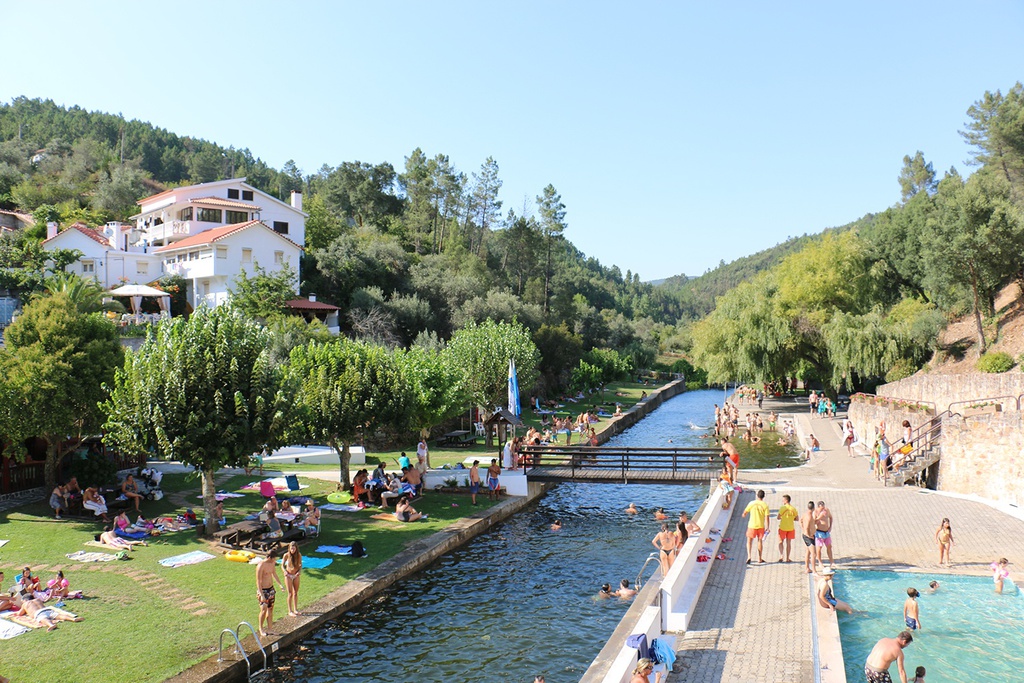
(787, 532)
(757, 527)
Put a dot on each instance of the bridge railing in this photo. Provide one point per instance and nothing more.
(623, 459)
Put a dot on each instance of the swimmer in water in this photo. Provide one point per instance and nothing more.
(624, 590)
(659, 514)
(1000, 573)
(933, 587)
(606, 591)
(911, 610)
(557, 526)
(631, 510)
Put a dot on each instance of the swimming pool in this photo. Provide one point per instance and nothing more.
(970, 633)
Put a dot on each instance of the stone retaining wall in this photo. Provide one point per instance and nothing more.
(984, 455)
(638, 412)
(942, 390)
(866, 418)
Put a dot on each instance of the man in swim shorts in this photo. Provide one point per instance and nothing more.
(493, 472)
(786, 515)
(807, 531)
(474, 480)
(266, 576)
(47, 616)
(885, 652)
(823, 532)
(757, 527)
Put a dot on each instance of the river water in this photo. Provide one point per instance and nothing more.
(519, 600)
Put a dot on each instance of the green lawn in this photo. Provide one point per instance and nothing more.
(129, 631)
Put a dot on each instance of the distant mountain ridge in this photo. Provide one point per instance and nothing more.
(697, 294)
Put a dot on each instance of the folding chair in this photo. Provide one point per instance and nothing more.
(293, 482)
(267, 489)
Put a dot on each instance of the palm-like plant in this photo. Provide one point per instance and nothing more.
(86, 295)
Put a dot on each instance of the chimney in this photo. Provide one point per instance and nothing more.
(51, 230)
(296, 200)
(312, 297)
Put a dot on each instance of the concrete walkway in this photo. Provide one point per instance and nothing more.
(753, 623)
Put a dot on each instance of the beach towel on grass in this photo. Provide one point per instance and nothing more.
(310, 562)
(3, 543)
(224, 496)
(334, 550)
(82, 556)
(134, 535)
(385, 517)
(194, 557)
(29, 622)
(9, 629)
(279, 484)
(335, 507)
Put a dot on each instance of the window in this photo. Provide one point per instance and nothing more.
(247, 195)
(222, 252)
(185, 214)
(237, 216)
(278, 258)
(232, 194)
(88, 267)
(142, 267)
(281, 227)
(246, 255)
(158, 220)
(210, 215)
(193, 256)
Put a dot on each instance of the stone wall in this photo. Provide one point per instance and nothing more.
(866, 417)
(942, 390)
(984, 455)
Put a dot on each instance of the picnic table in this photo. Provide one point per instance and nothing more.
(459, 438)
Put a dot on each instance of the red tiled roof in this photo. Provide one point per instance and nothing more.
(87, 231)
(307, 305)
(216, 234)
(230, 203)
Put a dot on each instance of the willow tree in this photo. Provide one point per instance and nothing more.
(202, 391)
(342, 390)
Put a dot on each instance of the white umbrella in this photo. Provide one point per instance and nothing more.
(136, 290)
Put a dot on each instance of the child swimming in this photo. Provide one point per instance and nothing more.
(1000, 573)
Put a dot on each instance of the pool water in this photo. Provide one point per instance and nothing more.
(519, 600)
(970, 633)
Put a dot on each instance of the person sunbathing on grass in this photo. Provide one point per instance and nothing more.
(108, 537)
(47, 616)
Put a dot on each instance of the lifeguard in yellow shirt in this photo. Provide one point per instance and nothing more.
(787, 515)
(757, 527)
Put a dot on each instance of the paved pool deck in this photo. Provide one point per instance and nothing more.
(752, 623)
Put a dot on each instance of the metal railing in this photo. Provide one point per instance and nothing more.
(1000, 400)
(922, 440)
(249, 673)
(624, 459)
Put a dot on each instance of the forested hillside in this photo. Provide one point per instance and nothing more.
(862, 306)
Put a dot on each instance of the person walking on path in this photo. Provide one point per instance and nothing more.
(848, 436)
(883, 654)
(266, 577)
(944, 537)
(807, 528)
(823, 533)
(787, 532)
(758, 525)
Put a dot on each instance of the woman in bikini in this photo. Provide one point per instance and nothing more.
(292, 564)
(944, 537)
(665, 542)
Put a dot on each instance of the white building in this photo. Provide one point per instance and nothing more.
(206, 233)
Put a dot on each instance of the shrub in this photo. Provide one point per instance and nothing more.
(93, 469)
(995, 361)
(610, 364)
(901, 369)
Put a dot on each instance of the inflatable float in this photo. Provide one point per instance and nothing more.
(239, 555)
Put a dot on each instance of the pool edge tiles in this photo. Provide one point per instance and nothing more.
(830, 666)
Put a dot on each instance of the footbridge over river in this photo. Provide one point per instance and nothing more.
(614, 464)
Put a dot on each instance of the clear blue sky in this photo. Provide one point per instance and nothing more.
(678, 133)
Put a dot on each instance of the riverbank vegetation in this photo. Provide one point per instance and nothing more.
(866, 305)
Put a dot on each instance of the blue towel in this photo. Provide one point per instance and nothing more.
(335, 549)
(639, 641)
(316, 562)
(138, 535)
(664, 654)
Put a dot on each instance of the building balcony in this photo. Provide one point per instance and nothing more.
(202, 267)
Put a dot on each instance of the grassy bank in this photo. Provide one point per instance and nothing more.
(145, 622)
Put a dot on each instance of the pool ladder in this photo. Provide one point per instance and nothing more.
(653, 557)
(250, 675)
